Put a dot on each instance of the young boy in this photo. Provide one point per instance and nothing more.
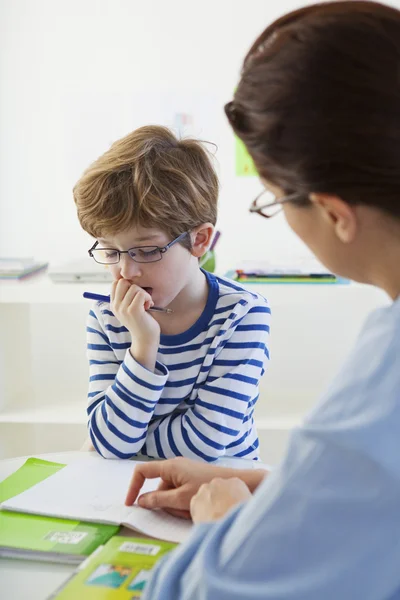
(182, 382)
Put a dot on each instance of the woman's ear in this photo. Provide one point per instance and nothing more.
(338, 214)
(201, 237)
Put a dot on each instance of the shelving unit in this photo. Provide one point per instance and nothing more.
(41, 290)
(73, 413)
(43, 370)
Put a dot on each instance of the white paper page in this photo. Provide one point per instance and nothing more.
(94, 489)
(158, 523)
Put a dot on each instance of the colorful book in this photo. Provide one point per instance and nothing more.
(241, 277)
(300, 267)
(20, 268)
(42, 538)
(285, 279)
(117, 571)
(301, 270)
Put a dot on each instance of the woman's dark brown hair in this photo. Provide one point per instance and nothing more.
(318, 103)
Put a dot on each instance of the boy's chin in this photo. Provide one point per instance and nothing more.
(163, 301)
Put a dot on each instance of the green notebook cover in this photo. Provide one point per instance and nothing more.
(117, 571)
(45, 538)
(33, 471)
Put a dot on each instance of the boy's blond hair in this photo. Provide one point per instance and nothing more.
(151, 179)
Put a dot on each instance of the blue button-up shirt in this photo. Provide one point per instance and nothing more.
(325, 525)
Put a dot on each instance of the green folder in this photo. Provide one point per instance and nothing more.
(117, 571)
(45, 538)
(33, 471)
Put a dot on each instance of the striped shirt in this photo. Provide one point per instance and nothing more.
(199, 401)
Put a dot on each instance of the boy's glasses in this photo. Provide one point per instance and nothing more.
(270, 209)
(141, 254)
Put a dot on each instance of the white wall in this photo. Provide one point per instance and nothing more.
(78, 74)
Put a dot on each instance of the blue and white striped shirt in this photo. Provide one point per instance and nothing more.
(200, 400)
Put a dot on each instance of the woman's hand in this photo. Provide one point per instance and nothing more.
(215, 499)
(181, 479)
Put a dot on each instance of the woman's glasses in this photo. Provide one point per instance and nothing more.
(270, 209)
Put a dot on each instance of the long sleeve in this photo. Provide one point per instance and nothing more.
(122, 396)
(326, 523)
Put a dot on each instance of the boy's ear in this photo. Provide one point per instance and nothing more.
(201, 237)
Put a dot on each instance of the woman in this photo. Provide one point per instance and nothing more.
(318, 107)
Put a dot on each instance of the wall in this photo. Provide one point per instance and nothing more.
(77, 75)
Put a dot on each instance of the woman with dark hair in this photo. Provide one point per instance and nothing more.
(318, 107)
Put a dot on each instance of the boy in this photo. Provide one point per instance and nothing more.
(182, 382)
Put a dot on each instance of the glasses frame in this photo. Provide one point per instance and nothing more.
(162, 250)
(278, 201)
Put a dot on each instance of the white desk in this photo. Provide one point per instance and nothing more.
(22, 579)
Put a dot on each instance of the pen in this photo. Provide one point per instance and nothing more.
(101, 298)
(215, 240)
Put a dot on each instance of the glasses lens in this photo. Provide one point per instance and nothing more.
(265, 208)
(105, 256)
(145, 254)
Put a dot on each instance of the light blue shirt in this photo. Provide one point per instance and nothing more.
(326, 524)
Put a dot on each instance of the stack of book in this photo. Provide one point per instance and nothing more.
(74, 520)
(300, 272)
(20, 268)
(37, 537)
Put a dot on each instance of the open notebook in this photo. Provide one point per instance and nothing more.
(94, 489)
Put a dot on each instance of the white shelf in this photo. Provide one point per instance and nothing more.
(40, 289)
(74, 413)
(305, 319)
(71, 413)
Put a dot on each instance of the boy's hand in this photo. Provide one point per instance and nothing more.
(130, 304)
(215, 499)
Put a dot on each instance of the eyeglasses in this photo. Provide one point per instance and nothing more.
(140, 254)
(270, 209)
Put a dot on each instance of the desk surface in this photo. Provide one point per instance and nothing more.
(22, 579)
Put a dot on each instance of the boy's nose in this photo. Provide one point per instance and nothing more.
(129, 268)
